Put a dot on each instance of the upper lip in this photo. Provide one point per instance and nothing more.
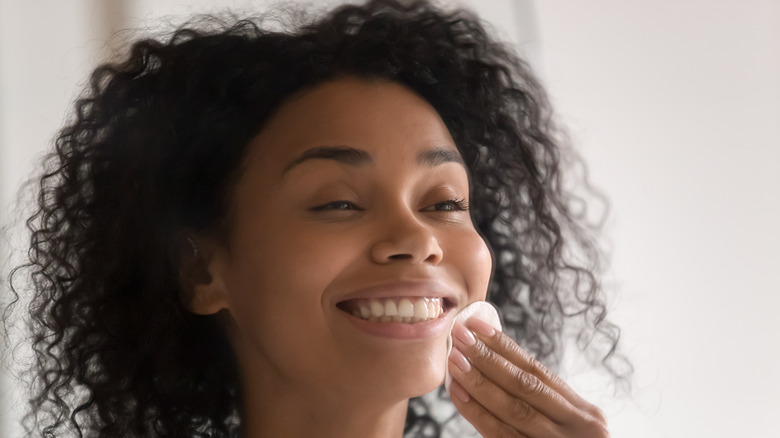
(428, 288)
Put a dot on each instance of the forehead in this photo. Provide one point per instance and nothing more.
(385, 119)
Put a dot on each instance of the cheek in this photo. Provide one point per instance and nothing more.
(276, 299)
(279, 278)
(475, 262)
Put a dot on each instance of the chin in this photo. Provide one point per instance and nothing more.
(426, 387)
(415, 376)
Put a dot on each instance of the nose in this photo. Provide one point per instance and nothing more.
(406, 238)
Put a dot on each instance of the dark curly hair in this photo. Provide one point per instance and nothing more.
(155, 146)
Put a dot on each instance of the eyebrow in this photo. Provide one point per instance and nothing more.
(341, 154)
(358, 158)
(438, 156)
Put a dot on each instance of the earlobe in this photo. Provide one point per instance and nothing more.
(208, 299)
(202, 269)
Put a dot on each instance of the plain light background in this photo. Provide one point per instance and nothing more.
(675, 105)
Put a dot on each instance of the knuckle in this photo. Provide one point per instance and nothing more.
(478, 380)
(597, 426)
(530, 386)
(599, 431)
(506, 342)
(522, 411)
(598, 415)
(511, 346)
(537, 368)
(482, 353)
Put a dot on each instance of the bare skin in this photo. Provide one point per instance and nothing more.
(355, 190)
(352, 189)
(503, 391)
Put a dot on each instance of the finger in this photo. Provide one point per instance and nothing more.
(508, 348)
(487, 424)
(535, 411)
(514, 411)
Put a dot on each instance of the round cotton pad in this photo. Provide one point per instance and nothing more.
(482, 310)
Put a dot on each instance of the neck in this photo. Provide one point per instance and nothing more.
(284, 412)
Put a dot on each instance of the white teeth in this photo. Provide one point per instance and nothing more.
(432, 310)
(421, 309)
(390, 308)
(405, 310)
(377, 309)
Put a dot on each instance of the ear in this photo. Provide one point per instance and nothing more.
(202, 269)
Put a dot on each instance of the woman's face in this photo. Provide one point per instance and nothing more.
(352, 200)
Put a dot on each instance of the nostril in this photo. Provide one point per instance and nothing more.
(408, 248)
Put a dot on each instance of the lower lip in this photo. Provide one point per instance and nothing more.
(398, 330)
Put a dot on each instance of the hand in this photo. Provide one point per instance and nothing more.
(504, 392)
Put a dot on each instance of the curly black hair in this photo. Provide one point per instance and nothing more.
(155, 146)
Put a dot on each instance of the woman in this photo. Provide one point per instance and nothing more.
(262, 233)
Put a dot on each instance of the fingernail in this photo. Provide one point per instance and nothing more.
(462, 334)
(457, 358)
(481, 327)
(459, 392)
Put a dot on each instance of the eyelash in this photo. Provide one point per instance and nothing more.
(336, 205)
(457, 204)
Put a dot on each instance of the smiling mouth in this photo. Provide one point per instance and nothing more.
(395, 309)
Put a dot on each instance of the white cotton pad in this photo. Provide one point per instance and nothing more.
(482, 310)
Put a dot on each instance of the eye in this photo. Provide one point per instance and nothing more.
(457, 204)
(337, 205)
